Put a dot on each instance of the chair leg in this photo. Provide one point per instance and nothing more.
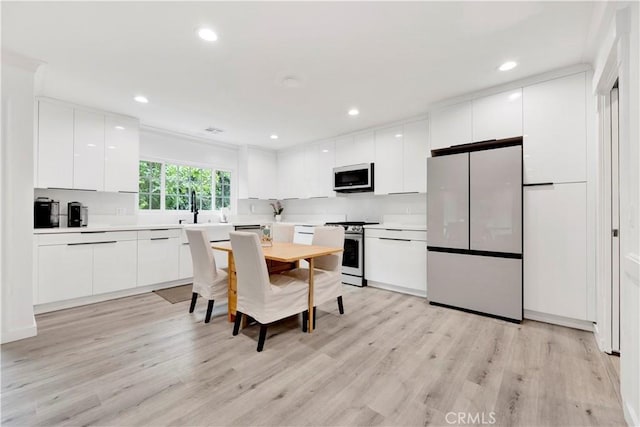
(194, 298)
(315, 310)
(340, 307)
(305, 320)
(263, 337)
(209, 311)
(236, 324)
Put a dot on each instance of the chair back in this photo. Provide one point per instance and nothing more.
(204, 263)
(283, 232)
(251, 268)
(329, 236)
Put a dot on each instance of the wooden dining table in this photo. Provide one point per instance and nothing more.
(282, 254)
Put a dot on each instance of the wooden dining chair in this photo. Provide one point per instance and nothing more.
(208, 281)
(327, 275)
(264, 298)
(283, 232)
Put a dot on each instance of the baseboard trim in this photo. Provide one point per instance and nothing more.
(602, 346)
(630, 415)
(20, 334)
(584, 325)
(77, 302)
(395, 288)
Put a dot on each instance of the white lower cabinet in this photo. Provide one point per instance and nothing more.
(65, 271)
(185, 268)
(397, 260)
(158, 256)
(555, 250)
(114, 266)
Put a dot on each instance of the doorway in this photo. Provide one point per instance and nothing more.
(615, 220)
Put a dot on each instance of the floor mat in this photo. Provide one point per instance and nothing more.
(176, 294)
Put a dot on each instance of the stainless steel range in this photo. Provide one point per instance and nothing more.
(353, 256)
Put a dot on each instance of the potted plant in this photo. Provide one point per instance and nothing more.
(277, 210)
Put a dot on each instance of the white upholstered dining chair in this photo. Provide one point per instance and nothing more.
(327, 274)
(208, 281)
(264, 298)
(283, 232)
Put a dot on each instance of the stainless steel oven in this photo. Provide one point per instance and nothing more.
(353, 255)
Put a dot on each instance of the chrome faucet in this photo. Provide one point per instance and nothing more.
(194, 206)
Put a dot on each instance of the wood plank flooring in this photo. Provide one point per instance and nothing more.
(390, 360)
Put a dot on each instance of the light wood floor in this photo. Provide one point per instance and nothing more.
(391, 360)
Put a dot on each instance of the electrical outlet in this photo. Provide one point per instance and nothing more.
(252, 208)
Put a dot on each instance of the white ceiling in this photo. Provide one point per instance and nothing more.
(390, 60)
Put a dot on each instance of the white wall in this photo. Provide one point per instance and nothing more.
(16, 203)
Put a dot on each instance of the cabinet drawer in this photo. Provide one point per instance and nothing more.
(159, 233)
(398, 263)
(84, 237)
(395, 233)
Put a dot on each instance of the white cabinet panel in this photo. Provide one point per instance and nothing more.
(448, 201)
(291, 174)
(555, 130)
(388, 164)
(114, 266)
(415, 152)
(158, 260)
(122, 154)
(64, 272)
(55, 145)
(496, 200)
(259, 170)
(395, 262)
(353, 150)
(498, 116)
(319, 161)
(555, 250)
(88, 151)
(451, 126)
(186, 265)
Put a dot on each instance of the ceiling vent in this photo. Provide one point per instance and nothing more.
(213, 131)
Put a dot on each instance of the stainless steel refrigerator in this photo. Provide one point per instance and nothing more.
(474, 220)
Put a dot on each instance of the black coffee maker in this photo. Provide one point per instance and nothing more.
(74, 214)
(45, 213)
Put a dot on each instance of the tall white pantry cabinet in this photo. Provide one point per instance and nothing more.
(552, 117)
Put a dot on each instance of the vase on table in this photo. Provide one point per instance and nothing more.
(278, 218)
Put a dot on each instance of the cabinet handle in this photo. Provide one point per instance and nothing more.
(159, 229)
(393, 229)
(159, 238)
(537, 184)
(128, 192)
(291, 198)
(84, 189)
(399, 240)
(404, 192)
(319, 197)
(92, 232)
(253, 198)
(92, 243)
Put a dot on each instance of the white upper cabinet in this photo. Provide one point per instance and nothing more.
(88, 151)
(122, 154)
(497, 116)
(555, 130)
(291, 174)
(352, 150)
(258, 173)
(389, 157)
(55, 145)
(319, 160)
(415, 152)
(451, 125)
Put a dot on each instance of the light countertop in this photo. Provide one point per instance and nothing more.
(131, 227)
(396, 226)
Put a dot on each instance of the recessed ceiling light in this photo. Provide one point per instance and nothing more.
(291, 81)
(514, 96)
(207, 34)
(141, 99)
(120, 127)
(325, 151)
(509, 65)
(398, 135)
(354, 112)
(274, 136)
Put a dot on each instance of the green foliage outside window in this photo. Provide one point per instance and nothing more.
(180, 181)
(223, 189)
(149, 185)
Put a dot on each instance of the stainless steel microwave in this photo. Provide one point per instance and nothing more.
(353, 178)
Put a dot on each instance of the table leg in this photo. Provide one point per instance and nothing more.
(232, 292)
(310, 260)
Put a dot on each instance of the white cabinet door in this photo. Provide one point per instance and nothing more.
(353, 150)
(186, 266)
(415, 153)
(55, 145)
(388, 164)
(158, 260)
(64, 272)
(114, 266)
(451, 126)
(122, 154)
(261, 174)
(319, 161)
(88, 151)
(291, 174)
(498, 116)
(555, 131)
(555, 250)
(397, 262)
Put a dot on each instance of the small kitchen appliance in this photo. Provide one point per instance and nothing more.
(74, 214)
(46, 213)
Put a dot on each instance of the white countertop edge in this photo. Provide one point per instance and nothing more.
(393, 226)
(132, 227)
